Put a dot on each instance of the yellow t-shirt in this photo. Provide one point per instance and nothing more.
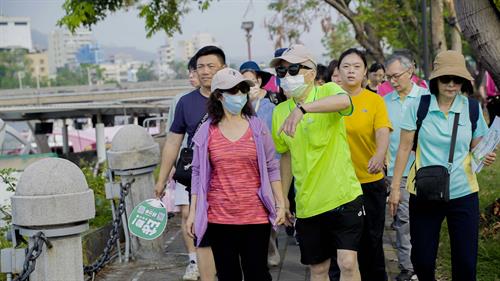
(321, 163)
(370, 114)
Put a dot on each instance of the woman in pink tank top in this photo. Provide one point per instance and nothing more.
(236, 187)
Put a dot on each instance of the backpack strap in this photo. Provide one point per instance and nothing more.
(423, 109)
(473, 113)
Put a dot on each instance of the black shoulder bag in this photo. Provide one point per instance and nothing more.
(432, 183)
(183, 168)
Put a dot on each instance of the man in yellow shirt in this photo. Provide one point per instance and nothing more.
(368, 129)
(309, 132)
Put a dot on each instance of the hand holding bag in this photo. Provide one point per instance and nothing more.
(432, 183)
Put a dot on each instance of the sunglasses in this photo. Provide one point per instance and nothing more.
(448, 78)
(293, 69)
(243, 87)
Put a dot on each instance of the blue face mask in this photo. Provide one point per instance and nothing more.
(234, 103)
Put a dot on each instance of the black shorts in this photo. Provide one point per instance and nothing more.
(322, 235)
(204, 241)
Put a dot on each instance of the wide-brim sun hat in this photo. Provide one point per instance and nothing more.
(296, 54)
(450, 63)
(253, 66)
(228, 78)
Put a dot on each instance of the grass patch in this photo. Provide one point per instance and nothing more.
(488, 268)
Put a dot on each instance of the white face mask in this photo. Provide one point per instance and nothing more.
(294, 86)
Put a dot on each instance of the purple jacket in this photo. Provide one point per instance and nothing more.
(200, 182)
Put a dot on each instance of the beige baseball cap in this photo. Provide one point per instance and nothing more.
(227, 78)
(296, 54)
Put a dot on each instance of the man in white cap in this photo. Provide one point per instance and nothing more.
(309, 132)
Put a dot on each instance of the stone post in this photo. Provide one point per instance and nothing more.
(133, 156)
(52, 196)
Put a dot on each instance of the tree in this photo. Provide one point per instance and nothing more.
(13, 67)
(159, 15)
(437, 23)
(180, 69)
(480, 23)
(146, 73)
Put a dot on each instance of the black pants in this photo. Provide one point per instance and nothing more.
(371, 253)
(462, 215)
(493, 106)
(238, 248)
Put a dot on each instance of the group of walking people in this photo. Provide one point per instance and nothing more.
(343, 149)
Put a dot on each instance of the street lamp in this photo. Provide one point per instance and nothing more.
(248, 26)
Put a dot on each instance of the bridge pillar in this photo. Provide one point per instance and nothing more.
(133, 156)
(53, 197)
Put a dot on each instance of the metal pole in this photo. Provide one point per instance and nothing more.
(426, 39)
(249, 36)
(20, 80)
(65, 138)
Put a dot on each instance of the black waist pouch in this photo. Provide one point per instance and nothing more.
(183, 168)
(432, 183)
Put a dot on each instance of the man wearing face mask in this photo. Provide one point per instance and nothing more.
(309, 132)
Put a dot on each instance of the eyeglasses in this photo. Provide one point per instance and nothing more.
(448, 78)
(396, 76)
(293, 69)
(243, 87)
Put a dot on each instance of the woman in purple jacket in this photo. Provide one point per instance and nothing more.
(236, 188)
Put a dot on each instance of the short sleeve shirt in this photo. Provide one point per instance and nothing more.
(369, 115)
(321, 161)
(188, 113)
(434, 142)
(396, 107)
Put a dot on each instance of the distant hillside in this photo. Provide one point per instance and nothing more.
(137, 54)
(41, 42)
(39, 39)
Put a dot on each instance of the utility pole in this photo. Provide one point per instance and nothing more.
(248, 26)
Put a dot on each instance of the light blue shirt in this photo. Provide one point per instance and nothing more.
(435, 139)
(396, 107)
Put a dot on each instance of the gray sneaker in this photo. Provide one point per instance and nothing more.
(405, 275)
(192, 273)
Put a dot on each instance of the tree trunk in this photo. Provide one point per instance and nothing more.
(437, 27)
(480, 24)
(364, 33)
(455, 36)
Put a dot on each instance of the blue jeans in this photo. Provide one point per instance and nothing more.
(462, 216)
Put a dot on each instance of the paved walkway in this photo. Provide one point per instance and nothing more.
(172, 266)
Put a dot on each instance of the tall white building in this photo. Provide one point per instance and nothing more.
(63, 47)
(15, 32)
(165, 57)
(200, 40)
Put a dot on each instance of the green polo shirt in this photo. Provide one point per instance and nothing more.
(321, 160)
(434, 142)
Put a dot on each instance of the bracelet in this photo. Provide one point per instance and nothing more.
(301, 108)
(279, 207)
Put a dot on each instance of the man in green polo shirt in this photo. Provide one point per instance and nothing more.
(309, 132)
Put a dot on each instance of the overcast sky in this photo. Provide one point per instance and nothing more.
(222, 20)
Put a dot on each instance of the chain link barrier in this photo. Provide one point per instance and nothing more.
(114, 234)
(32, 254)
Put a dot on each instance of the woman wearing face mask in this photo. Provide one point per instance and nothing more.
(236, 188)
(263, 102)
(368, 131)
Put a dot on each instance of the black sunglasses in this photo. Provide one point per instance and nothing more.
(293, 69)
(448, 78)
(242, 87)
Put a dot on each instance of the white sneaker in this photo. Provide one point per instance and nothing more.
(273, 259)
(192, 272)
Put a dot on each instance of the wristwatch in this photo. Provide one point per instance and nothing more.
(301, 108)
